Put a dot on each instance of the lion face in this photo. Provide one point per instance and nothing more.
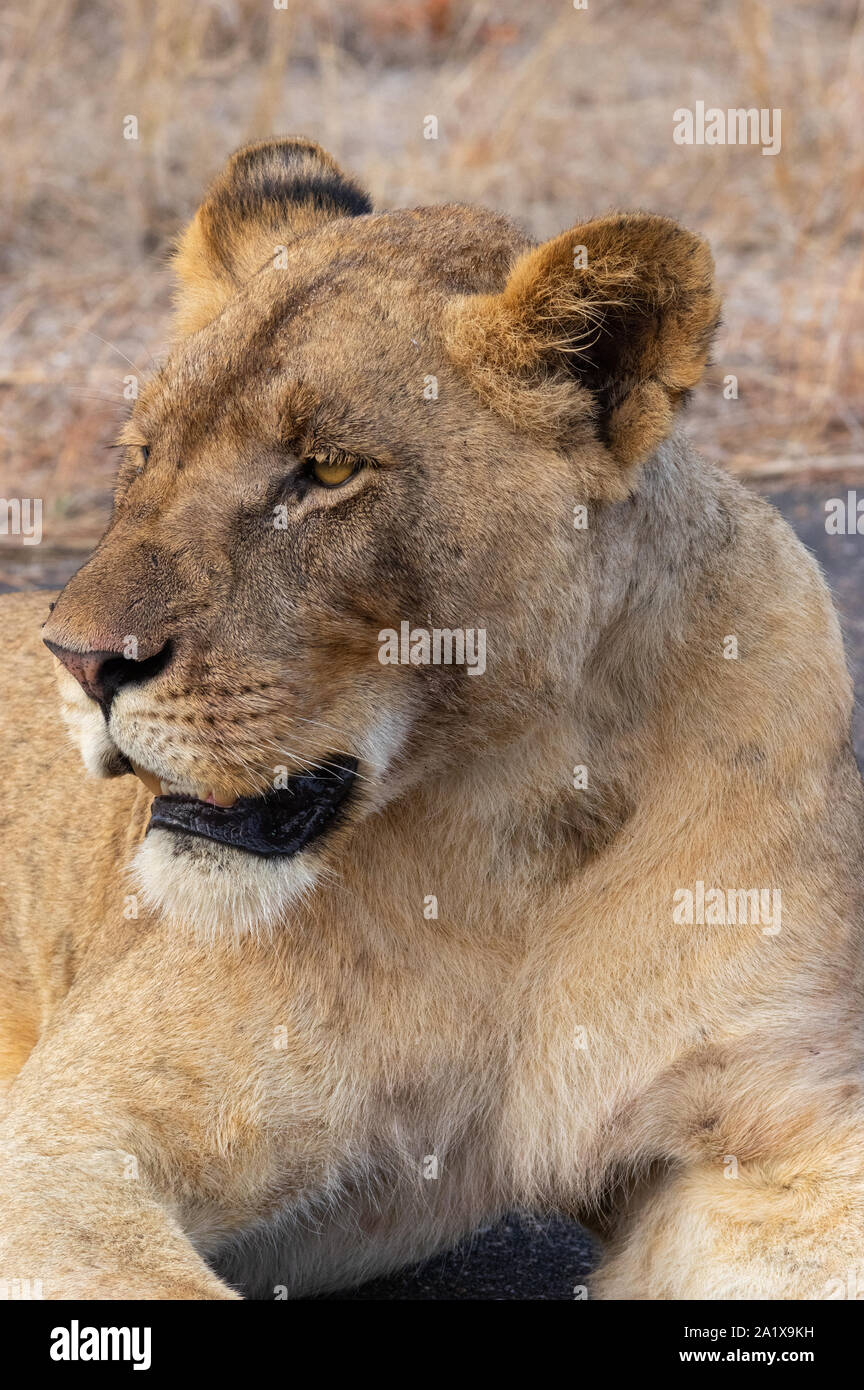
(341, 554)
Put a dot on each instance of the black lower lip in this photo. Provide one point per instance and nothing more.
(278, 824)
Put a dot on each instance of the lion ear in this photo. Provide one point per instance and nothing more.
(603, 329)
(267, 195)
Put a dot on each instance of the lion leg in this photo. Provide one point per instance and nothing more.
(138, 1144)
(73, 1233)
(789, 1228)
(78, 1220)
(103, 1145)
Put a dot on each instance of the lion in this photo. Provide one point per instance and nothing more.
(323, 946)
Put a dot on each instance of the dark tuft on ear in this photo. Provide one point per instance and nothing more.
(267, 195)
(262, 179)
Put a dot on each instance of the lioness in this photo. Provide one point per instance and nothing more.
(399, 943)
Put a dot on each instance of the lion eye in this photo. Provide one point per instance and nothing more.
(330, 471)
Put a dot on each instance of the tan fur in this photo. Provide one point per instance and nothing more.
(215, 1061)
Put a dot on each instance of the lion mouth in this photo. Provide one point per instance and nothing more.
(280, 823)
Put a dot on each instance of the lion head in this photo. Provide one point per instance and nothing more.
(354, 475)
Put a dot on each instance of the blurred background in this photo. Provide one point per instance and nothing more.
(548, 113)
(544, 111)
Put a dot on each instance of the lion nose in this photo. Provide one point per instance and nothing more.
(102, 674)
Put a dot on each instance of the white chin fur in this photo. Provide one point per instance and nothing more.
(85, 724)
(214, 890)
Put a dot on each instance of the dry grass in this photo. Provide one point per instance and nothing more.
(548, 113)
